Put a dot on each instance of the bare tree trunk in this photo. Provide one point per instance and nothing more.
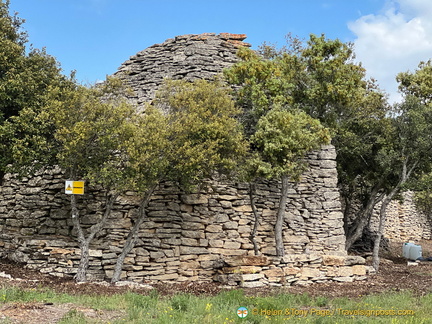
(364, 217)
(256, 218)
(346, 214)
(378, 237)
(133, 234)
(405, 174)
(81, 274)
(280, 250)
(84, 242)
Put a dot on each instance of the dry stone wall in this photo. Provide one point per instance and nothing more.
(404, 222)
(201, 236)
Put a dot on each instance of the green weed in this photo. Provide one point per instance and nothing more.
(73, 317)
(222, 308)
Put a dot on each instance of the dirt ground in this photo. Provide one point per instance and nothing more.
(394, 275)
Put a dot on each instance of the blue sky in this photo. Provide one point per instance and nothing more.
(94, 37)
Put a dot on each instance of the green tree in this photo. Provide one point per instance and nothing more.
(92, 129)
(355, 110)
(282, 140)
(360, 171)
(265, 83)
(148, 153)
(204, 132)
(407, 153)
(47, 119)
(319, 77)
(322, 79)
(336, 86)
(196, 137)
(419, 83)
(25, 82)
(423, 193)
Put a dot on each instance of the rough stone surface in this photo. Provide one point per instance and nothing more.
(204, 239)
(187, 57)
(404, 222)
(199, 236)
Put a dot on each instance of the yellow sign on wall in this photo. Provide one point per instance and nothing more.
(74, 187)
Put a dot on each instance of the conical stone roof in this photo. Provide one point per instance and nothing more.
(188, 56)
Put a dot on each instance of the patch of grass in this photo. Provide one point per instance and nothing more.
(187, 308)
(232, 297)
(423, 273)
(181, 302)
(73, 317)
(321, 301)
(139, 306)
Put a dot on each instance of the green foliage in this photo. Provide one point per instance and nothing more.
(265, 83)
(423, 193)
(25, 84)
(414, 119)
(414, 130)
(418, 83)
(26, 142)
(319, 77)
(406, 145)
(203, 132)
(415, 122)
(92, 128)
(283, 138)
(148, 149)
(407, 153)
(336, 84)
(12, 60)
(181, 302)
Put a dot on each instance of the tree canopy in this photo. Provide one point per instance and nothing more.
(281, 141)
(203, 130)
(283, 138)
(417, 83)
(26, 79)
(321, 78)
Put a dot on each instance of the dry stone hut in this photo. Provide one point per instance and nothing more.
(202, 236)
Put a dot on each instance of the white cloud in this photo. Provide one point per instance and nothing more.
(394, 41)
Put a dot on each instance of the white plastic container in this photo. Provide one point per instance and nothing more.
(406, 249)
(415, 252)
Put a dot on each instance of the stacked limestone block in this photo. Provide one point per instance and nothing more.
(187, 57)
(186, 237)
(300, 269)
(404, 222)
